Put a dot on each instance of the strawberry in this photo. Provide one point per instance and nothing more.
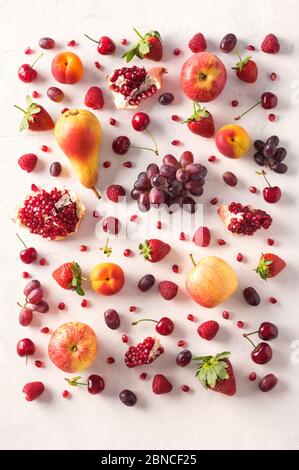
(270, 265)
(161, 384)
(69, 276)
(154, 250)
(36, 118)
(200, 122)
(168, 289)
(246, 70)
(202, 237)
(270, 44)
(94, 98)
(33, 390)
(216, 373)
(28, 162)
(114, 192)
(208, 329)
(149, 47)
(197, 43)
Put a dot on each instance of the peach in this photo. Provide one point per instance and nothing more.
(67, 68)
(203, 77)
(107, 278)
(73, 347)
(232, 141)
(211, 281)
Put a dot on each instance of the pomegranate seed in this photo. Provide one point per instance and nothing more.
(214, 201)
(190, 317)
(252, 376)
(181, 343)
(273, 76)
(84, 303)
(96, 214)
(143, 376)
(250, 48)
(65, 393)
(39, 363)
(110, 360)
(176, 51)
(159, 224)
(252, 189)
(272, 117)
(25, 275)
(107, 164)
(270, 241)
(174, 117)
(225, 314)
(185, 388)
(83, 248)
(64, 110)
(71, 43)
(176, 142)
(28, 51)
(42, 261)
(221, 242)
(182, 236)
(133, 217)
(128, 164)
(234, 103)
(124, 41)
(240, 324)
(44, 148)
(35, 94)
(272, 300)
(132, 308)
(125, 338)
(212, 158)
(175, 268)
(112, 121)
(97, 65)
(61, 305)
(34, 187)
(45, 330)
(127, 252)
(239, 257)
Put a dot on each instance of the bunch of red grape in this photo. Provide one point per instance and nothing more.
(270, 155)
(170, 183)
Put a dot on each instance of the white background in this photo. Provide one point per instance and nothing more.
(200, 419)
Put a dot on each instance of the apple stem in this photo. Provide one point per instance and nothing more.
(138, 34)
(153, 139)
(143, 148)
(245, 112)
(21, 241)
(106, 249)
(246, 335)
(36, 60)
(96, 192)
(143, 319)
(192, 259)
(88, 37)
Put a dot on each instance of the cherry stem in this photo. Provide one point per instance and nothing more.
(94, 40)
(246, 336)
(22, 306)
(245, 112)
(21, 241)
(153, 139)
(96, 192)
(143, 319)
(138, 34)
(143, 148)
(36, 60)
(266, 179)
(192, 259)
(21, 109)
(252, 333)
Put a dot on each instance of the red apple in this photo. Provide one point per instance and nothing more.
(73, 347)
(203, 77)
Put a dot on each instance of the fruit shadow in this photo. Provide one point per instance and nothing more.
(47, 396)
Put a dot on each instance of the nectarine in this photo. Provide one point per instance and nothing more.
(107, 278)
(67, 68)
(232, 141)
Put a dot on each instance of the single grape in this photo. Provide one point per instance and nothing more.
(259, 159)
(128, 398)
(168, 172)
(166, 99)
(196, 169)
(55, 94)
(143, 183)
(230, 178)
(34, 284)
(158, 181)
(112, 319)
(35, 296)
(268, 382)
(135, 194)
(228, 43)
(46, 43)
(41, 307)
(156, 196)
(171, 161)
(194, 188)
(183, 358)
(175, 188)
(55, 169)
(146, 282)
(198, 179)
(189, 205)
(273, 139)
(269, 150)
(280, 154)
(182, 175)
(251, 296)
(152, 170)
(259, 145)
(186, 158)
(280, 168)
(143, 202)
(25, 316)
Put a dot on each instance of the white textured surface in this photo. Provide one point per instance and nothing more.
(200, 419)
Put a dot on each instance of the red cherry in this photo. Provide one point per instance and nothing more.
(140, 121)
(267, 331)
(164, 326)
(105, 45)
(95, 384)
(272, 194)
(268, 100)
(28, 255)
(262, 353)
(27, 73)
(25, 347)
(121, 145)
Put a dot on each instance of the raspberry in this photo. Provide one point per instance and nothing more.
(168, 289)
(115, 192)
(208, 329)
(28, 162)
(197, 43)
(270, 44)
(94, 98)
(202, 237)
(33, 390)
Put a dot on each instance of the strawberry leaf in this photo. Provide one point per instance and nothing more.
(79, 290)
(143, 47)
(130, 53)
(154, 33)
(212, 369)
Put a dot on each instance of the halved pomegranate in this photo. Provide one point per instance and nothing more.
(131, 85)
(243, 220)
(54, 215)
